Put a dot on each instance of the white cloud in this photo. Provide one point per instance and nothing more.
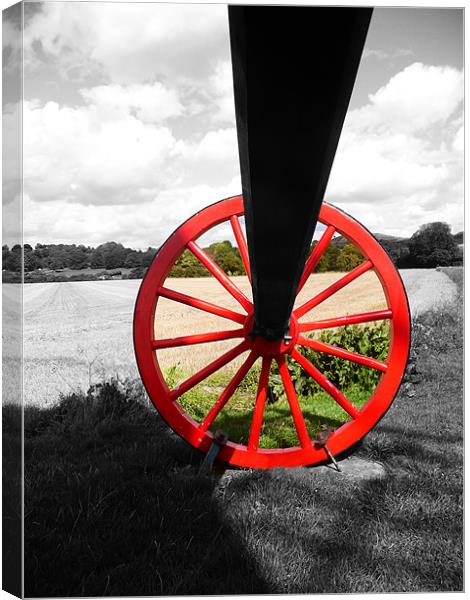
(164, 80)
(378, 167)
(155, 139)
(413, 100)
(56, 221)
(74, 155)
(102, 153)
(129, 42)
(11, 41)
(399, 161)
(221, 86)
(151, 103)
(216, 145)
(11, 159)
(458, 142)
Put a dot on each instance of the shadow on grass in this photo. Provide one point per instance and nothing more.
(115, 506)
(413, 452)
(343, 535)
(449, 438)
(11, 499)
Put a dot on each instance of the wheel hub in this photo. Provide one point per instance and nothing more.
(264, 347)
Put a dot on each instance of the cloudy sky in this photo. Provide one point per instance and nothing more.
(129, 123)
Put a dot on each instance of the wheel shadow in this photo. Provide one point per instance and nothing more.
(217, 560)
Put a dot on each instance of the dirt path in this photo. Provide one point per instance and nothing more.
(427, 289)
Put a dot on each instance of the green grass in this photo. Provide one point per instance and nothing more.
(114, 504)
(278, 430)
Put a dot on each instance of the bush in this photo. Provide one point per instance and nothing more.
(371, 341)
(11, 277)
(111, 400)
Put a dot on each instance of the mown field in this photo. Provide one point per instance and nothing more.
(78, 333)
(115, 504)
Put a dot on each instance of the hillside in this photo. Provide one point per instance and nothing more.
(340, 241)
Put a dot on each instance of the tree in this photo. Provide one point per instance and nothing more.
(393, 250)
(227, 257)
(78, 257)
(58, 257)
(97, 259)
(30, 261)
(188, 265)
(5, 256)
(41, 253)
(349, 258)
(328, 260)
(148, 256)
(13, 259)
(432, 245)
(133, 259)
(114, 255)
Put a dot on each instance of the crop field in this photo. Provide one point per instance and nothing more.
(77, 333)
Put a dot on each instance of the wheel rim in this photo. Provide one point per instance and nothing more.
(198, 434)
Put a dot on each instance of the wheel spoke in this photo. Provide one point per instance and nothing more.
(225, 313)
(325, 384)
(378, 315)
(221, 277)
(199, 338)
(316, 254)
(342, 353)
(212, 367)
(333, 288)
(228, 392)
(295, 409)
(258, 411)
(241, 243)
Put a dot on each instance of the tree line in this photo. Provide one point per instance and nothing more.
(70, 256)
(432, 245)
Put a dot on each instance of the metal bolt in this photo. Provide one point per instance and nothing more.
(219, 441)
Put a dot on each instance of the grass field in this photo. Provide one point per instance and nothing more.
(77, 333)
(115, 505)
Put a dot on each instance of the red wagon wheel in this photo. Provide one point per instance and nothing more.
(361, 420)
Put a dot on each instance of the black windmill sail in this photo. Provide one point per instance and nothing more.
(294, 69)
